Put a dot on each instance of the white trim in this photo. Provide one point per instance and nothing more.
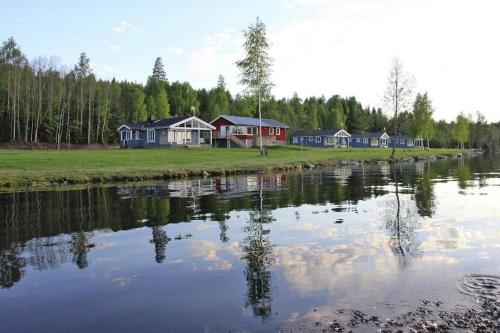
(311, 139)
(318, 138)
(151, 130)
(271, 130)
(137, 135)
(278, 130)
(384, 136)
(342, 131)
(295, 139)
(120, 128)
(193, 118)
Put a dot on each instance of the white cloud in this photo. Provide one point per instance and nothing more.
(346, 48)
(175, 50)
(125, 26)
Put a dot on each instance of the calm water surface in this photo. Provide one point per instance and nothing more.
(246, 253)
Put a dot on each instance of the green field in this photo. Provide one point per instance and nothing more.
(40, 167)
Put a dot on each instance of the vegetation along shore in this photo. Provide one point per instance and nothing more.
(20, 168)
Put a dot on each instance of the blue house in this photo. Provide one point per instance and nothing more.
(322, 138)
(405, 141)
(178, 131)
(370, 140)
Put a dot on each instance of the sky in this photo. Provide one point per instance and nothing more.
(319, 47)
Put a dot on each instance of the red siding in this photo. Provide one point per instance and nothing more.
(265, 130)
(220, 122)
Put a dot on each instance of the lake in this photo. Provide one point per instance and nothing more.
(253, 253)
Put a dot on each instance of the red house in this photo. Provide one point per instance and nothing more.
(234, 131)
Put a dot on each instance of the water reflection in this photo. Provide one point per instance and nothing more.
(321, 232)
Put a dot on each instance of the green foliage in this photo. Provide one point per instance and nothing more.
(461, 130)
(255, 67)
(423, 124)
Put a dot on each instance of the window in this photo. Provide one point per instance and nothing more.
(278, 131)
(318, 139)
(295, 139)
(151, 135)
(271, 130)
(249, 130)
(365, 140)
(358, 140)
(137, 135)
(310, 138)
(126, 135)
(402, 141)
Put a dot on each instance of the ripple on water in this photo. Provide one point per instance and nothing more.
(481, 286)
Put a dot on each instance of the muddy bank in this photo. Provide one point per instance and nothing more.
(428, 316)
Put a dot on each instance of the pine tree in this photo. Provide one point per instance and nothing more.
(159, 70)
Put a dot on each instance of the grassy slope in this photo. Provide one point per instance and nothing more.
(19, 167)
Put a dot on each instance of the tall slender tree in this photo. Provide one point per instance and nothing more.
(398, 93)
(255, 67)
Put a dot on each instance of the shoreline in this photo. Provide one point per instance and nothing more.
(103, 175)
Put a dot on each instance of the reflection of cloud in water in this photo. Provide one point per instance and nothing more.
(124, 281)
(310, 269)
(212, 253)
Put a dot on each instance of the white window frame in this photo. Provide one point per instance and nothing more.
(358, 140)
(278, 130)
(271, 130)
(151, 138)
(318, 139)
(249, 131)
(295, 139)
(365, 140)
(311, 138)
(137, 137)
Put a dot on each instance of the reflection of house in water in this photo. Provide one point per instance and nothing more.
(243, 184)
(342, 174)
(189, 188)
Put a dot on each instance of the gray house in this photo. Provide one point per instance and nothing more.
(178, 131)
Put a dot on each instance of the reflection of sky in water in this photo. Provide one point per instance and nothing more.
(328, 239)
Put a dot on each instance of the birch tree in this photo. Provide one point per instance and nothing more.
(398, 95)
(255, 67)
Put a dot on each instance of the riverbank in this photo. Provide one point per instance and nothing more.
(38, 168)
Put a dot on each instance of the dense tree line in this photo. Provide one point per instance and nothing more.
(42, 101)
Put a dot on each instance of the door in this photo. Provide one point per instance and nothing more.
(223, 131)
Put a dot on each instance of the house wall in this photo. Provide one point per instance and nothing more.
(407, 143)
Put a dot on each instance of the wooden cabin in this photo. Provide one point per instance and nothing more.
(322, 138)
(235, 131)
(370, 140)
(177, 131)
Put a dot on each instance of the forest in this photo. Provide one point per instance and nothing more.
(42, 101)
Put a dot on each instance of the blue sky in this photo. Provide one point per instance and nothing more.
(320, 47)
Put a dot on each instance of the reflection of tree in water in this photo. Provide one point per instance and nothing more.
(160, 240)
(223, 229)
(258, 253)
(401, 220)
(424, 193)
(11, 266)
(463, 174)
(80, 246)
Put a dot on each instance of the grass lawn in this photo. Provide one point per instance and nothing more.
(20, 167)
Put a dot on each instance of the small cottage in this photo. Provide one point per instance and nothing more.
(235, 131)
(322, 138)
(369, 140)
(177, 131)
(404, 141)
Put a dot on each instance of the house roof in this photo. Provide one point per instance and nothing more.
(161, 123)
(247, 121)
(368, 135)
(402, 137)
(320, 132)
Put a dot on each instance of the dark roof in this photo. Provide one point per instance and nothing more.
(402, 137)
(247, 121)
(157, 123)
(320, 132)
(368, 135)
